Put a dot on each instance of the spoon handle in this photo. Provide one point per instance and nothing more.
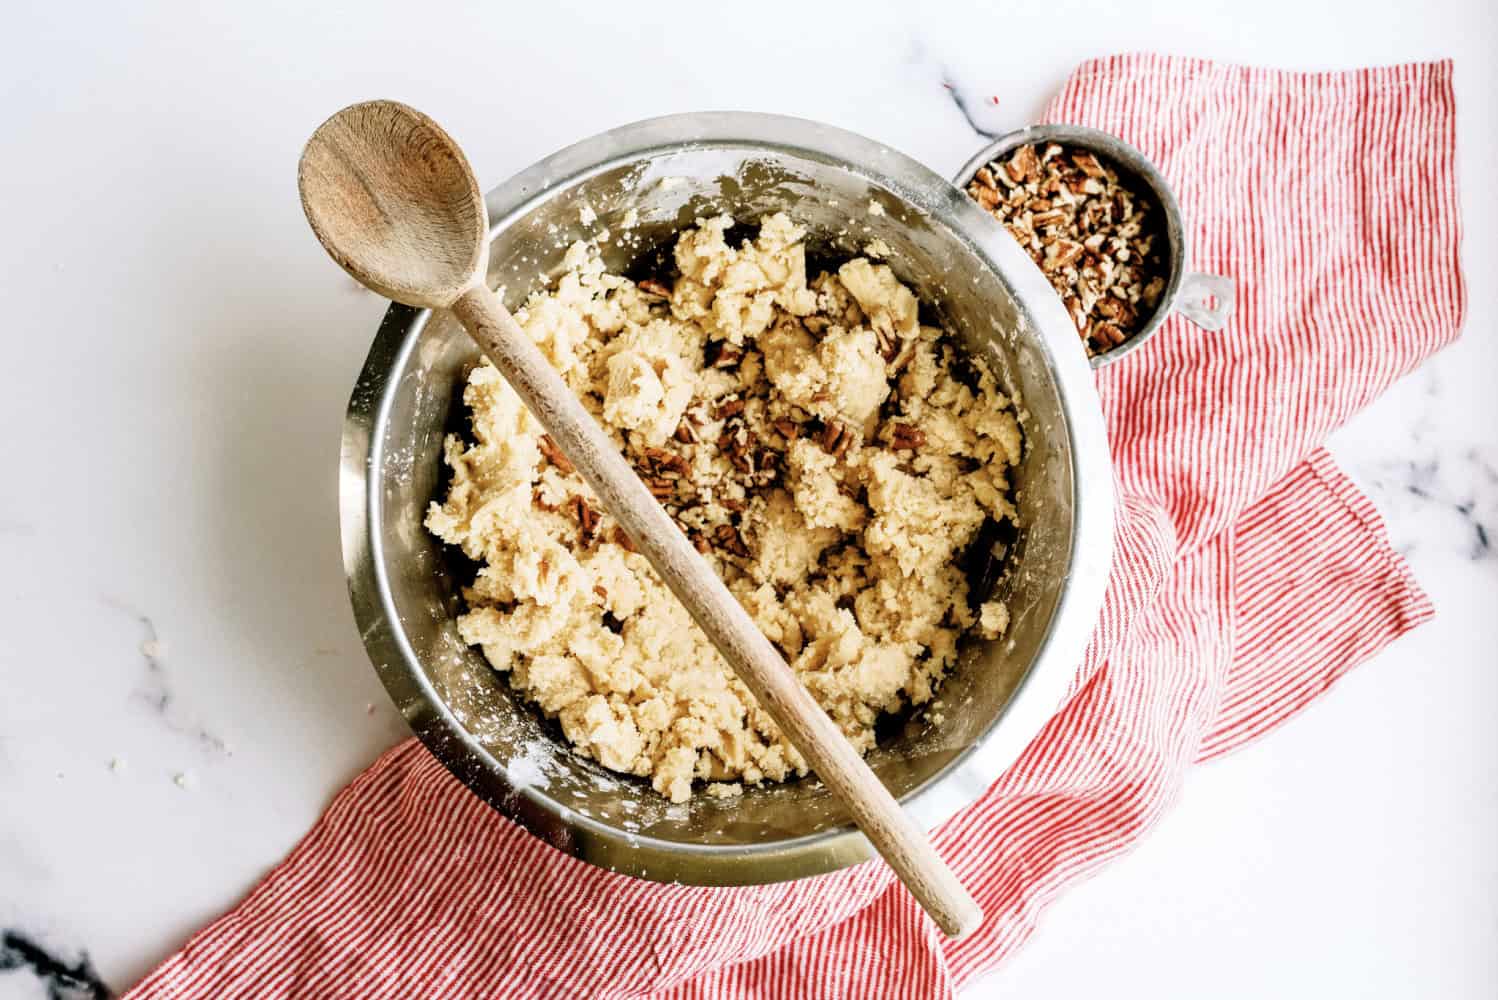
(760, 666)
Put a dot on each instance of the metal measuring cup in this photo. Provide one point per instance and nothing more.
(1204, 299)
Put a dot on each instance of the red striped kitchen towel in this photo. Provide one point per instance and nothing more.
(1249, 575)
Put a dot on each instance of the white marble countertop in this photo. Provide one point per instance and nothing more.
(183, 686)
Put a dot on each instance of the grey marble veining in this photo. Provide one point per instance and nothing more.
(154, 690)
(964, 104)
(1427, 464)
(1456, 496)
(62, 977)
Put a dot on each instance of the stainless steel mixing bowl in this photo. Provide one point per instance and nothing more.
(847, 191)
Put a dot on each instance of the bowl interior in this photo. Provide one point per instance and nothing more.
(467, 713)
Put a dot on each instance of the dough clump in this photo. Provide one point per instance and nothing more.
(831, 456)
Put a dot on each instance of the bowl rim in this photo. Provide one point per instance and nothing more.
(1037, 695)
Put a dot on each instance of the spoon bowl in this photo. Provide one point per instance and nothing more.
(393, 200)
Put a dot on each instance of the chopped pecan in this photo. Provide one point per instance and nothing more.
(1087, 163)
(987, 197)
(1023, 165)
(906, 436)
(727, 537)
(1152, 291)
(652, 287)
(667, 461)
(787, 428)
(831, 432)
(721, 354)
(836, 438)
(554, 454)
(587, 517)
(730, 408)
(1108, 334)
(889, 347)
(1116, 310)
(1063, 253)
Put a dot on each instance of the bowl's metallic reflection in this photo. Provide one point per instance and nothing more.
(669, 171)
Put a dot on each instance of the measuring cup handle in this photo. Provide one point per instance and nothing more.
(1197, 290)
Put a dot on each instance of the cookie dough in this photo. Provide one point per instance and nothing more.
(828, 453)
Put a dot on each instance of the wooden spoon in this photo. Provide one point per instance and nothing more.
(392, 199)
